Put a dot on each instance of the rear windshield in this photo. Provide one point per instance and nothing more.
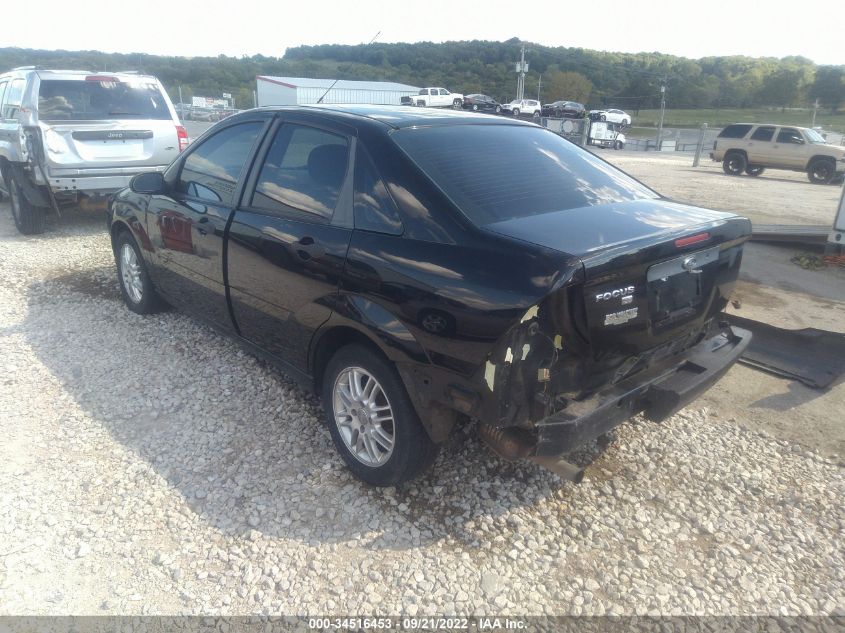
(86, 100)
(500, 172)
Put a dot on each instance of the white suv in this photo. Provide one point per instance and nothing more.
(523, 107)
(66, 135)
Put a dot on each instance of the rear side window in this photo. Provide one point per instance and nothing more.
(12, 101)
(514, 171)
(763, 133)
(96, 100)
(374, 208)
(735, 131)
(304, 170)
(212, 170)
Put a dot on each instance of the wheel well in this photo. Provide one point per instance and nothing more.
(736, 151)
(116, 229)
(330, 342)
(814, 159)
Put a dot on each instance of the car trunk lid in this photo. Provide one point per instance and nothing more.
(655, 273)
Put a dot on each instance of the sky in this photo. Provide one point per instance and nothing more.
(248, 27)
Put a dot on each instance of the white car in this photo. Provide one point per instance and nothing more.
(613, 116)
(523, 107)
(435, 98)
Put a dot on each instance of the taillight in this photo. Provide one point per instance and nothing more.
(182, 135)
(692, 239)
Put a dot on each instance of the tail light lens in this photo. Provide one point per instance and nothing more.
(182, 135)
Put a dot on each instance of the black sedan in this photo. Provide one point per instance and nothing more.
(481, 103)
(535, 287)
(561, 109)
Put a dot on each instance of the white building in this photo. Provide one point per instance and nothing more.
(301, 91)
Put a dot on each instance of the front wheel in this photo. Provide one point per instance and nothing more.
(135, 285)
(498, 109)
(734, 164)
(29, 219)
(821, 171)
(619, 145)
(603, 118)
(371, 419)
(457, 104)
(536, 114)
(516, 111)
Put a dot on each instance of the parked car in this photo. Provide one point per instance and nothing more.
(481, 103)
(205, 114)
(750, 148)
(523, 107)
(535, 288)
(435, 98)
(68, 134)
(561, 109)
(614, 116)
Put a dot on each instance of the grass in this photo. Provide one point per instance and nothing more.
(726, 116)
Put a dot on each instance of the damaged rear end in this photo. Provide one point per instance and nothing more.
(636, 329)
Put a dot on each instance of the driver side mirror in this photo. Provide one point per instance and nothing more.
(151, 183)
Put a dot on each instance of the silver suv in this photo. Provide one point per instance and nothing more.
(71, 136)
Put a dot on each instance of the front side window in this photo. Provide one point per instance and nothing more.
(790, 135)
(763, 133)
(212, 170)
(515, 172)
(434, 91)
(304, 171)
(100, 99)
(374, 208)
(444, 92)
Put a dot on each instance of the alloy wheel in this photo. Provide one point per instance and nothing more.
(130, 274)
(363, 416)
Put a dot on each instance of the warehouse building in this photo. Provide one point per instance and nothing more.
(301, 91)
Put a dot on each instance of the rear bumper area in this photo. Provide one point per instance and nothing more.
(657, 393)
(102, 181)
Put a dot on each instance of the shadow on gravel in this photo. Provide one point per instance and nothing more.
(74, 222)
(243, 446)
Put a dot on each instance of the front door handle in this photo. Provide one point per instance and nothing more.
(307, 248)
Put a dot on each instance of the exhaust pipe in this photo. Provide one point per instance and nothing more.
(514, 443)
(560, 467)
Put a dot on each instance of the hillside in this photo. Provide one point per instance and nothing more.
(623, 79)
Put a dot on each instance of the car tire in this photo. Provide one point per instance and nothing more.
(516, 111)
(603, 117)
(821, 171)
(398, 449)
(421, 104)
(137, 289)
(754, 170)
(536, 114)
(618, 145)
(457, 104)
(29, 219)
(498, 109)
(734, 164)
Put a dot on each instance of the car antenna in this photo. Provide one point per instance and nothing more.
(320, 100)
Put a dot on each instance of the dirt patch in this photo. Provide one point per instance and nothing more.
(99, 283)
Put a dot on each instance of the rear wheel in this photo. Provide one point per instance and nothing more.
(754, 170)
(734, 164)
(619, 145)
(516, 111)
(371, 419)
(603, 117)
(29, 219)
(475, 107)
(498, 109)
(457, 104)
(821, 171)
(135, 285)
(536, 114)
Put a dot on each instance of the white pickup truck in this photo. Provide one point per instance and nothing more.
(435, 98)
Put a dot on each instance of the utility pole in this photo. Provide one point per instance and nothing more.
(180, 95)
(539, 86)
(815, 109)
(662, 113)
(521, 69)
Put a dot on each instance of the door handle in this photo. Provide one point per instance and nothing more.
(307, 248)
(203, 227)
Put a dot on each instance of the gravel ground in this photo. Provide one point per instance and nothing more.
(150, 467)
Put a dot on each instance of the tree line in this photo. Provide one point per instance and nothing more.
(631, 80)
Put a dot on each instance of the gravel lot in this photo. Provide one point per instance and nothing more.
(150, 467)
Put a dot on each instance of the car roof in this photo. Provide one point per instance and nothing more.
(396, 116)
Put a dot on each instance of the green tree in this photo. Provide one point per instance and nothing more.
(829, 87)
(570, 86)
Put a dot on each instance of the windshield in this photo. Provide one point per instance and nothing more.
(86, 100)
(814, 137)
(516, 171)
